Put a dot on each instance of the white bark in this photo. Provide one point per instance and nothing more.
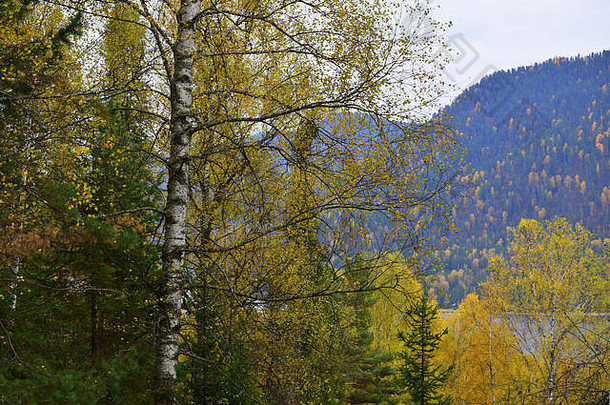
(552, 355)
(13, 287)
(15, 264)
(176, 205)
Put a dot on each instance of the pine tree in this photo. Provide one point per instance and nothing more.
(368, 367)
(419, 375)
(76, 237)
(84, 312)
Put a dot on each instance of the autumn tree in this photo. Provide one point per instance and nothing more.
(547, 291)
(484, 352)
(256, 127)
(233, 82)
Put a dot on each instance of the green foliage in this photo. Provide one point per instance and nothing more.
(283, 177)
(80, 331)
(367, 368)
(220, 372)
(419, 375)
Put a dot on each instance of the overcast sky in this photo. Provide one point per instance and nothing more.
(501, 34)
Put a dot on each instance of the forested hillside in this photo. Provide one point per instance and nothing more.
(537, 141)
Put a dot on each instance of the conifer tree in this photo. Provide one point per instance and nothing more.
(75, 231)
(367, 367)
(419, 375)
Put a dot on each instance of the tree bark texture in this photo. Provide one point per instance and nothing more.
(172, 256)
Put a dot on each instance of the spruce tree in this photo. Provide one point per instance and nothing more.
(419, 375)
(368, 367)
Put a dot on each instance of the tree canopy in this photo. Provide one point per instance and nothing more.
(187, 182)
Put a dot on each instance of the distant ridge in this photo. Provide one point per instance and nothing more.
(538, 141)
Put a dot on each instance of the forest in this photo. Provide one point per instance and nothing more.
(250, 202)
(538, 142)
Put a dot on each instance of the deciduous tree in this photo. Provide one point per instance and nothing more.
(547, 291)
(233, 82)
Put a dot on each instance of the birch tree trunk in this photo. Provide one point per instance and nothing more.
(176, 206)
(15, 264)
(552, 355)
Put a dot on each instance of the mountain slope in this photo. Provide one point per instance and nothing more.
(538, 139)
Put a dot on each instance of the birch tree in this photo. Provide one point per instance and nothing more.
(484, 352)
(546, 291)
(233, 81)
(258, 66)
